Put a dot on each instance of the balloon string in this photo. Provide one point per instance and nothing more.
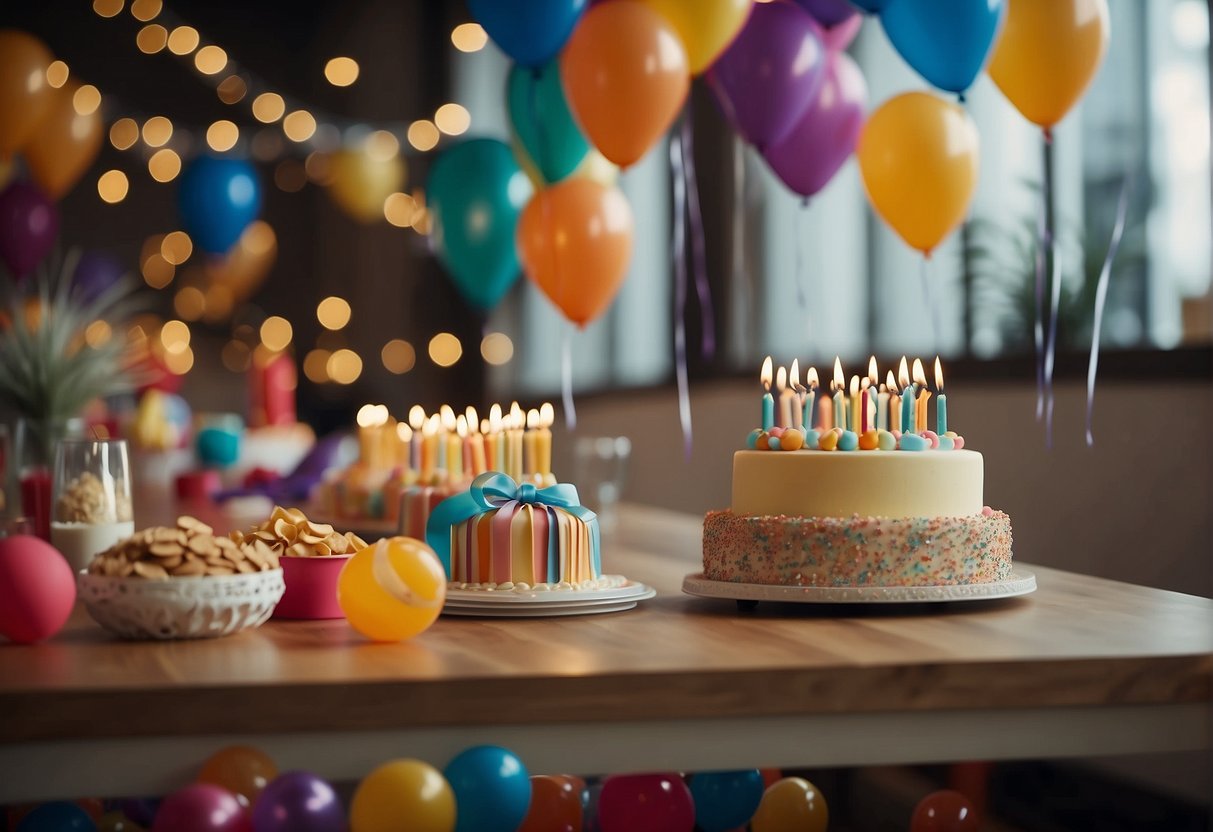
(703, 289)
(928, 297)
(566, 379)
(802, 295)
(1050, 249)
(740, 276)
(1038, 329)
(680, 291)
(1101, 296)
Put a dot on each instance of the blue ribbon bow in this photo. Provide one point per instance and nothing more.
(494, 490)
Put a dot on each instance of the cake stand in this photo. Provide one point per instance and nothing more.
(1020, 582)
(530, 603)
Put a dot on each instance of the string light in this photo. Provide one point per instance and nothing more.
(157, 130)
(164, 165)
(315, 366)
(399, 209)
(157, 272)
(398, 356)
(190, 303)
(423, 135)
(124, 133)
(299, 126)
(176, 247)
(108, 8)
(276, 333)
(183, 40)
(382, 145)
(112, 186)
(445, 349)
(222, 135)
(179, 363)
(210, 60)
(344, 366)
(341, 72)
(232, 89)
(151, 38)
(175, 336)
(86, 100)
(57, 74)
(453, 119)
(333, 312)
(497, 348)
(98, 333)
(268, 107)
(145, 10)
(469, 37)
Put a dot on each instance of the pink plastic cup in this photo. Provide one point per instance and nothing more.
(311, 587)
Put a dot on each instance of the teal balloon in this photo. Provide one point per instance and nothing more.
(726, 799)
(543, 122)
(476, 192)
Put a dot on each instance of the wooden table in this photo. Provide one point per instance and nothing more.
(1083, 667)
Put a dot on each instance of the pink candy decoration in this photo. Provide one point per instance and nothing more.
(932, 436)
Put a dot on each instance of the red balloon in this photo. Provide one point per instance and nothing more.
(555, 805)
(944, 811)
(37, 589)
(646, 803)
(201, 808)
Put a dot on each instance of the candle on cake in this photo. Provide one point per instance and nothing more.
(475, 444)
(768, 401)
(855, 419)
(798, 392)
(494, 442)
(368, 440)
(404, 446)
(892, 419)
(453, 445)
(429, 448)
(840, 400)
(543, 444)
(810, 399)
(920, 405)
(907, 397)
(941, 401)
(514, 442)
(872, 409)
(785, 398)
(530, 442)
(417, 423)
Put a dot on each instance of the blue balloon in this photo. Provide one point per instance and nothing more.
(492, 789)
(945, 41)
(476, 192)
(529, 31)
(870, 6)
(217, 199)
(542, 120)
(726, 799)
(59, 816)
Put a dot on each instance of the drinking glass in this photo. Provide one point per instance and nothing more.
(601, 465)
(92, 498)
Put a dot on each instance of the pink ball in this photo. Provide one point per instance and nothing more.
(646, 803)
(37, 589)
(201, 808)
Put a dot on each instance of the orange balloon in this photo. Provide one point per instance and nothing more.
(1048, 53)
(25, 94)
(555, 805)
(918, 156)
(625, 75)
(575, 241)
(64, 144)
(243, 771)
(242, 270)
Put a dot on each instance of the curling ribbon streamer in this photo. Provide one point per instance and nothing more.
(680, 292)
(741, 276)
(1101, 296)
(699, 256)
(566, 379)
(928, 297)
(802, 295)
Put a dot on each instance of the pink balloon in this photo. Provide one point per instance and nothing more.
(837, 38)
(646, 803)
(826, 135)
(37, 589)
(29, 223)
(201, 808)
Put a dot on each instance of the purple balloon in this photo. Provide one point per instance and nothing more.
(838, 38)
(829, 13)
(771, 72)
(95, 272)
(298, 801)
(826, 135)
(29, 223)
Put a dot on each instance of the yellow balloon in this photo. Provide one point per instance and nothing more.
(361, 182)
(241, 271)
(25, 93)
(403, 794)
(919, 157)
(705, 27)
(392, 590)
(1047, 54)
(64, 143)
(792, 804)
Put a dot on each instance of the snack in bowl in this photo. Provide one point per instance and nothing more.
(182, 582)
(312, 555)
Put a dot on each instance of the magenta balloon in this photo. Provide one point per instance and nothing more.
(771, 72)
(298, 801)
(829, 13)
(825, 135)
(29, 223)
(201, 808)
(646, 803)
(838, 38)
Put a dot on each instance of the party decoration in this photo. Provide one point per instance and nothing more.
(945, 41)
(556, 805)
(726, 799)
(839, 37)
(25, 94)
(392, 590)
(770, 75)
(826, 134)
(646, 803)
(626, 75)
(37, 589)
(242, 270)
(944, 811)
(791, 805)
(575, 241)
(529, 31)
(542, 123)
(705, 27)
(476, 191)
(362, 181)
(29, 223)
(217, 199)
(871, 6)
(200, 808)
(403, 793)
(298, 801)
(95, 273)
(828, 13)
(64, 143)
(918, 157)
(59, 816)
(1048, 53)
(241, 770)
(492, 789)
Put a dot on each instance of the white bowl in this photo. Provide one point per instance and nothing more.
(188, 607)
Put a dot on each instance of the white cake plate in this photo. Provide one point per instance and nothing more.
(1020, 582)
(513, 603)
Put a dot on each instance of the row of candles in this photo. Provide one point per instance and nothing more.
(446, 446)
(897, 404)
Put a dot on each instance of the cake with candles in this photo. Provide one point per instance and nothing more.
(852, 488)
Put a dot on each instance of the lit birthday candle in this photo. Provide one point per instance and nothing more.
(941, 402)
(798, 391)
(530, 439)
(920, 405)
(768, 401)
(785, 398)
(417, 423)
(475, 444)
(840, 398)
(855, 419)
(893, 422)
(368, 440)
(547, 417)
(429, 448)
(464, 465)
(404, 443)
(514, 444)
(867, 398)
(810, 399)
(873, 413)
(450, 449)
(907, 397)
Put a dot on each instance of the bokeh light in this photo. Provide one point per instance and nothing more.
(222, 135)
(341, 71)
(183, 40)
(469, 37)
(231, 89)
(124, 133)
(157, 272)
(299, 125)
(398, 356)
(210, 60)
(112, 186)
(333, 312)
(344, 366)
(189, 303)
(179, 363)
(268, 107)
(236, 356)
(157, 130)
(164, 165)
(453, 119)
(98, 333)
(423, 135)
(57, 74)
(152, 38)
(445, 349)
(276, 333)
(175, 336)
(108, 8)
(400, 209)
(497, 348)
(382, 145)
(86, 100)
(315, 366)
(176, 247)
(145, 10)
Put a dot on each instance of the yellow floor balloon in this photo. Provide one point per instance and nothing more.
(1048, 53)
(792, 804)
(919, 158)
(392, 590)
(705, 27)
(403, 794)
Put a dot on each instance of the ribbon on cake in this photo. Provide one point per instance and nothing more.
(494, 491)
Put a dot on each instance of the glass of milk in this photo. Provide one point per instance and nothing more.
(92, 498)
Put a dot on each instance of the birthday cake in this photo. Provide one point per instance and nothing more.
(854, 500)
